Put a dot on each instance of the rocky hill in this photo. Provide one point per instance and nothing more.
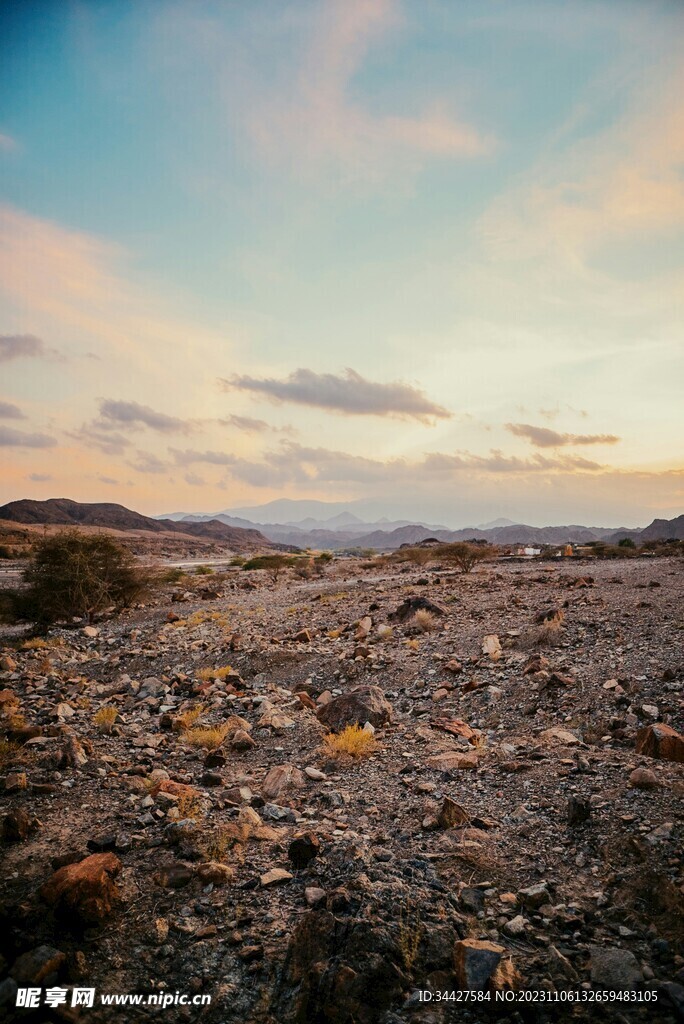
(664, 529)
(106, 515)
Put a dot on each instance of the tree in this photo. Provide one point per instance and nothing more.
(464, 555)
(272, 564)
(75, 574)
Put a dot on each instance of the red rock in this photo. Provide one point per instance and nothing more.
(85, 891)
(661, 741)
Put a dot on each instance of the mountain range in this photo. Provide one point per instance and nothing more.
(345, 529)
(338, 532)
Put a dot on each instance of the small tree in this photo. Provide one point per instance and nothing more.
(74, 574)
(272, 564)
(464, 555)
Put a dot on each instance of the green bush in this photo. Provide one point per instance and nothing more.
(74, 574)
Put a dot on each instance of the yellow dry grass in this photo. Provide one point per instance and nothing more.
(209, 738)
(352, 741)
(105, 718)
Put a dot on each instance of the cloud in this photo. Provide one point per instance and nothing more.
(543, 437)
(194, 480)
(350, 394)
(92, 435)
(11, 438)
(189, 456)
(7, 143)
(294, 464)
(108, 480)
(39, 478)
(24, 346)
(310, 122)
(146, 462)
(246, 423)
(10, 411)
(132, 414)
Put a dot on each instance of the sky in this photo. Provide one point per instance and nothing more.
(423, 254)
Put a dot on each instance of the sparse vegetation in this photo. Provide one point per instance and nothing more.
(105, 718)
(187, 719)
(204, 570)
(424, 620)
(206, 674)
(352, 741)
(463, 555)
(74, 574)
(210, 738)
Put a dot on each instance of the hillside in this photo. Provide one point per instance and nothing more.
(664, 529)
(65, 512)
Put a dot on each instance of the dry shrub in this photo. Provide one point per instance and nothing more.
(187, 719)
(105, 718)
(9, 753)
(424, 620)
(190, 806)
(210, 738)
(384, 632)
(655, 898)
(410, 935)
(217, 844)
(352, 741)
(548, 634)
(207, 674)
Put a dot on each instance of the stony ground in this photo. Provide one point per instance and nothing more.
(503, 800)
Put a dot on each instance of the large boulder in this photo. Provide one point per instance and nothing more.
(361, 705)
(84, 892)
(661, 741)
(408, 608)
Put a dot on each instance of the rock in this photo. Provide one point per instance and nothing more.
(281, 779)
(315, 774)
(91, 632)
(661, 741)
(40, 966)
(314, 896)
(276, 876)
(18, 825)
(534, 896)
(214, 873)
(555, 736)
(451, 814)
(74, 754)
(614, 969)
(643, 778)
(362, 704)
(363, 628)
(210, 779)
(303, 849)
(242, 741)
(454, 666)
(84, 892)
(578, 810)
(471, 900)
(7, 664)
(15, 781)
(453, 761)
(491, 646)
(408, 608)
(175, 876)
(303, 636)
(516, 926)
(475, 961)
